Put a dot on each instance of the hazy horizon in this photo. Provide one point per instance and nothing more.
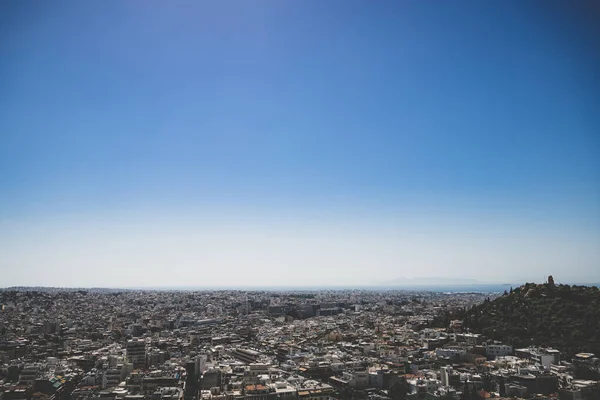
(277, 143)
(417, 287)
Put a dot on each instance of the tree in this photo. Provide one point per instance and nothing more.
(487, 383)
(502, 389)
(591, 393)
(466, 393)
(474, 394)
(399, 390)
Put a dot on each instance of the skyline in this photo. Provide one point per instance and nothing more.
(294, 144)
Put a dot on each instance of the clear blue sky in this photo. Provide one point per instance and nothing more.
(311, 142)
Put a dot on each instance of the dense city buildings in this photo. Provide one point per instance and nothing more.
(260, 345)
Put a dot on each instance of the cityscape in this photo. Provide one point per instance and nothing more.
(114, 344)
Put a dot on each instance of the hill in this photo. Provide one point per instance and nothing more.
(562, 316)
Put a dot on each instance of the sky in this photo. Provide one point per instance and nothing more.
(281, 143)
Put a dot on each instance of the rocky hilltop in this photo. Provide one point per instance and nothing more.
(562, 316)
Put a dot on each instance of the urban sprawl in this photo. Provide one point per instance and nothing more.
(58, 344)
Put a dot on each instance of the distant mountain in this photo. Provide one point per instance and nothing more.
(562, 316)
(432, 281)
